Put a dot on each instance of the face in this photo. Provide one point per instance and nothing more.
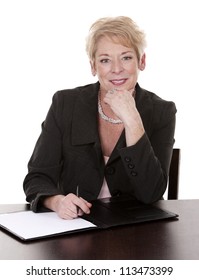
(116, 66)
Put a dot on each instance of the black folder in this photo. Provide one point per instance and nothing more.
(105, 213)
(118, 211)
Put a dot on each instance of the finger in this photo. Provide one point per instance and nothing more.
(69, 211)
(112, 91)
(80, 212)
(83, 205)
(67, 215)
(87, 203)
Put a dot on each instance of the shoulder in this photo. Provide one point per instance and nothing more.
(64, 101)
(157, 104)
(72, 93)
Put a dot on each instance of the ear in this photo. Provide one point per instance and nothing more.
(93, 70)
(142, 63)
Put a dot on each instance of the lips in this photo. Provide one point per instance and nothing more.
(118, 82)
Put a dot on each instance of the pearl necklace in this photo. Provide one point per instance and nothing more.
(103, 116)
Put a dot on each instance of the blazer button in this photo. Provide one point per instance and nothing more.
(110, 170)
(131, 166)
(133, 173)
(127, 159)
(116, 193)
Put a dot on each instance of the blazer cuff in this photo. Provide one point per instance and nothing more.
(36, 205)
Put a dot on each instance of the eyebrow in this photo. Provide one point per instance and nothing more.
(105, 54)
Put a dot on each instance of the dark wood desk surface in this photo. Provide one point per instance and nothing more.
(159, 240)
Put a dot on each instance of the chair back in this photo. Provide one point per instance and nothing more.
(174, 170)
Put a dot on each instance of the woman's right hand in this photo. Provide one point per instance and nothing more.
(67, 207)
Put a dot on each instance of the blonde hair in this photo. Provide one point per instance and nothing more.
(119, 29)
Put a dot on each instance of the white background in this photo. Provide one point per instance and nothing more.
(42, 50)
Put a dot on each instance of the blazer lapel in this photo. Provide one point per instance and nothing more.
(84, 125)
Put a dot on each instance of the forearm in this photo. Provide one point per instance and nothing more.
(134, 130)
(146, 173)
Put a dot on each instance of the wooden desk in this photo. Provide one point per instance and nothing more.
(167, 240)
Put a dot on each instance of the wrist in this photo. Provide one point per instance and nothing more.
(133, 133)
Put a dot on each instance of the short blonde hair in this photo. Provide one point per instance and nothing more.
(121, 30)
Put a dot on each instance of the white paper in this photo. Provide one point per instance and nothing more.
(29, 225)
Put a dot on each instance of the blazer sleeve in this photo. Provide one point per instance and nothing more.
(147, 162)
(45, 163)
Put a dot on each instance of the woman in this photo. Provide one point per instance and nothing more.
(104, 139)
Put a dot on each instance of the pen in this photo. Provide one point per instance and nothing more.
(77, 194)
(77, 191)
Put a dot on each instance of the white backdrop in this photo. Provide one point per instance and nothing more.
(42, 50)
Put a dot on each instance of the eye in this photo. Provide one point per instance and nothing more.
(127, 57)
(104, 60)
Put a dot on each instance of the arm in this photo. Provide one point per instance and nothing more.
(41, 185)
(151, 156)
(45, 164)
(146, 157)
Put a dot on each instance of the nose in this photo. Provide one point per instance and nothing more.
(117, 66)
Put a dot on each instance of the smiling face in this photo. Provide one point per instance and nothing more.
(116, 66)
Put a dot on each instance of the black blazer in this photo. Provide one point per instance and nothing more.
(68, 152)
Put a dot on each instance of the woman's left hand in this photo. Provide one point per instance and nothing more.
(122, 103)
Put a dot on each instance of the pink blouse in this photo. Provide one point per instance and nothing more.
(104, 190)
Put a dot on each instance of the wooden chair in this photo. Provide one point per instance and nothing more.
(173, 181)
